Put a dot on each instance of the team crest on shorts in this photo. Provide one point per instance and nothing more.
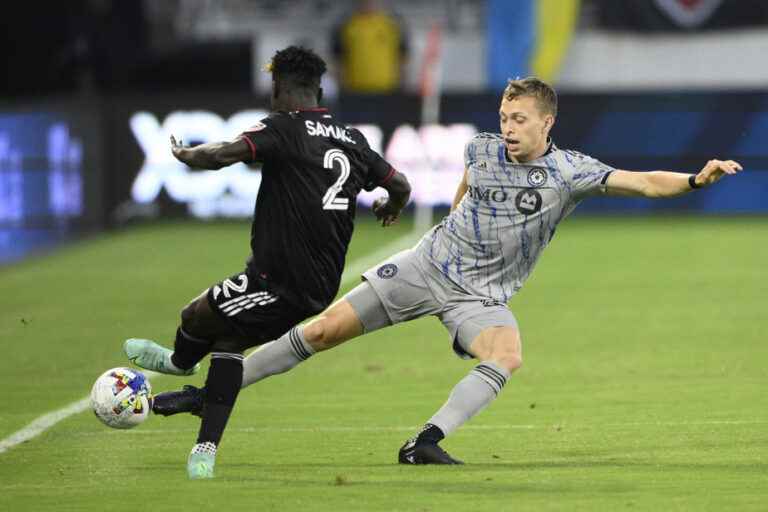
(537, 177)
(387, 271)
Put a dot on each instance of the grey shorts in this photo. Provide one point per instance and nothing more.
(401, 289)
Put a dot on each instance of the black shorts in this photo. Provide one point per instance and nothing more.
(256, 313)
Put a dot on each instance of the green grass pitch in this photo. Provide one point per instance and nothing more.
(644, 384)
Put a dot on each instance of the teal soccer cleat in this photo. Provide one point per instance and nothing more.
(200, 465)
(149, 355)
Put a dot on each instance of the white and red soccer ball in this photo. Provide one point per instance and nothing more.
(122, 398)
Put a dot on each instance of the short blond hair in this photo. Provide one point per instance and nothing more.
(545, 95)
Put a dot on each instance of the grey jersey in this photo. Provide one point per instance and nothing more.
(489, 244)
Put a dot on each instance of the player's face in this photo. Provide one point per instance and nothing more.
(524, 128)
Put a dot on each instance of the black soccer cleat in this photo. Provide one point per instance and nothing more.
(190, 399)
(417, 453)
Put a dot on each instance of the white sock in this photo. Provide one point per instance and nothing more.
(206, 447)
(471, 395)
(277, 356)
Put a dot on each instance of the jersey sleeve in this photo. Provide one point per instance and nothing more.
(263, 139)
(589, 175)
(481, 146)
(470, 153)
(378, 170)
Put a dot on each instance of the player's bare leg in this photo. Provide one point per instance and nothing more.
(222, 387)
(331, 328)
(199, 326)
(339, 323)
(499, 350)
(199, 318)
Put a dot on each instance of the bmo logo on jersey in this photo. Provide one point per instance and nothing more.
(528, 201)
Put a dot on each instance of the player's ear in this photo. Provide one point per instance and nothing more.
(548, 122)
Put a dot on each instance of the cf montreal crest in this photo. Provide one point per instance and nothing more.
(387, 271)
(537, 177)
(528, 201)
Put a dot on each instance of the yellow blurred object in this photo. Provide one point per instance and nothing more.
(555, 24)
(371, 53)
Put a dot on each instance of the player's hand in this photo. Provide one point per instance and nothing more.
(384, 212)
(178, 149)
(716, 169)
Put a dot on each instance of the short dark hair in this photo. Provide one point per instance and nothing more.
(545, 95)
(298, 66)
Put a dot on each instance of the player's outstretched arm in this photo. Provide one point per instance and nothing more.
(668, 184)
(212, 155)
(387, 210)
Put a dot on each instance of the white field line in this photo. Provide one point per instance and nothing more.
(46, 421)
(43, 423)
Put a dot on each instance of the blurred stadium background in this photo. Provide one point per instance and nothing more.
(93, 89)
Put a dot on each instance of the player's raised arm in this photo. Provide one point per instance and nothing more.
(387, 210)
(665, 183)
(460, 191)
(212, 155)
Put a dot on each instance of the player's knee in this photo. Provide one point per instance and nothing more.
(321, 333)
(193, 319)
(508, 356)
(188, 315)
(511, 361)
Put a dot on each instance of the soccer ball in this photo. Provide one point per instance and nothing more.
(121, 398)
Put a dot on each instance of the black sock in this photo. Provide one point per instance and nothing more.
(188, 350)
(221, 388)
(430, 434)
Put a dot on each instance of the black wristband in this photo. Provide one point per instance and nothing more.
(692, 181)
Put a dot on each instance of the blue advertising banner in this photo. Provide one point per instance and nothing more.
(50, 186)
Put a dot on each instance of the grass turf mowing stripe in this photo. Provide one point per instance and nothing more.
(412, 428)
(48, 420)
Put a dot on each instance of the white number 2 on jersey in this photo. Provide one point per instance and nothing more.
(330, 201)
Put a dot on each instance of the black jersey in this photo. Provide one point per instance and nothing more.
(313, 169)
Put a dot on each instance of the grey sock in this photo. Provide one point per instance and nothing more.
(470, 396)
(277, 356)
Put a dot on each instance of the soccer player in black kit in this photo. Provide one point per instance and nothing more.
(313, 169)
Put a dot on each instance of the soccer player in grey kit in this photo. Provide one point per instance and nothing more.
(517, 187)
